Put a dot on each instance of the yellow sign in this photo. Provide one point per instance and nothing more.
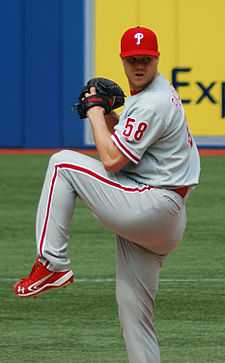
(191, 38)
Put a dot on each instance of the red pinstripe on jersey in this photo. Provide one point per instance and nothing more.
(124, 149)
(86, 171)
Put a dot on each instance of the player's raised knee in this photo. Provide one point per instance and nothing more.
(59, 157)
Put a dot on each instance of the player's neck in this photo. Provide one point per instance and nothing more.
(134, 92)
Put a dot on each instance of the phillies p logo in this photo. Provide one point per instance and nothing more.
(139, 37)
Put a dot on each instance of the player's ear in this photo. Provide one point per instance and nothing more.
(123, 62)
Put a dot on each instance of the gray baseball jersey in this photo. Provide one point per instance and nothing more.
(153, 133)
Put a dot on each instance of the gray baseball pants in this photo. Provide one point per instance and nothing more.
(148, 223)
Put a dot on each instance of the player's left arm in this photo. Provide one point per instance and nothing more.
(137, 132)
(112, 158)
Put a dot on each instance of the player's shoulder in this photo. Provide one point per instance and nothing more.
(160, 96)
(159, 91)
(158, 100)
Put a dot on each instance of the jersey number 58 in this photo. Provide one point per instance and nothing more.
(135, 129)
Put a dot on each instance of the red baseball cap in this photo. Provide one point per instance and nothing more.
(139, 41)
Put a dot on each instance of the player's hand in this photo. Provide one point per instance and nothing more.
(99, 93)
(92, 92)
(95, 109)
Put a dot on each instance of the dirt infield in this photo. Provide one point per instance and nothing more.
(213, 152)
(202, 151)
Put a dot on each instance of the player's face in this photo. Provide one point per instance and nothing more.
(140, 70)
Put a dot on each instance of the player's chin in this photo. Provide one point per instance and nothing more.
(140, 82)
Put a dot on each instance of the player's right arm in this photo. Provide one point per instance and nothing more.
(112, 158)
(111, 120)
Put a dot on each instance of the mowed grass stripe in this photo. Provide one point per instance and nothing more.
(79, 324)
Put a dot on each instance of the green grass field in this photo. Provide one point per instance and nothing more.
(79, 324)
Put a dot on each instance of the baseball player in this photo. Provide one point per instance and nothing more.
(148, 166)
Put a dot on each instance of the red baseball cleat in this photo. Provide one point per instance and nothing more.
(41, 280)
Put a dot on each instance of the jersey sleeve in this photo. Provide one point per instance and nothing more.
(134, 134)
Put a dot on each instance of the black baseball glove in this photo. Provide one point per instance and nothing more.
(109, 95)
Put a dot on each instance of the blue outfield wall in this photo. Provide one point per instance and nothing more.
(41, 72)
(11, 74)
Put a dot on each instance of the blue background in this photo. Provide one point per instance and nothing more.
(41, 72)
